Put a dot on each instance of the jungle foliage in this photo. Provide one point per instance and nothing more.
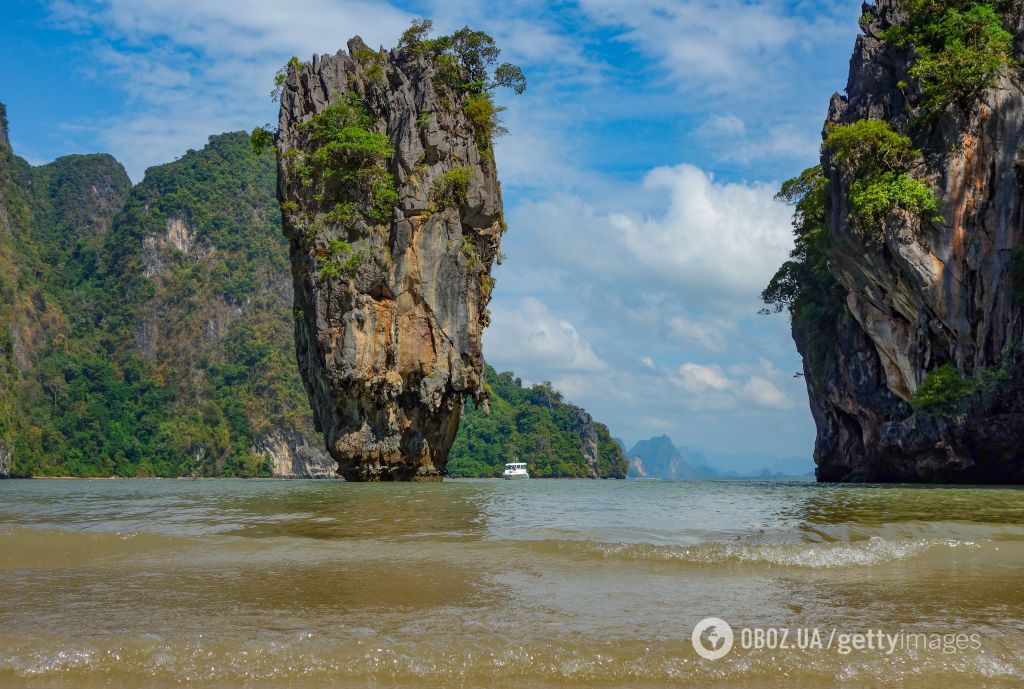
(877, 162)
(467, 63)
(959, 48)
(534, 424)
(139, 358)
(803, 285)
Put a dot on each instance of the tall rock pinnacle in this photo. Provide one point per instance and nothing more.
(393, 210)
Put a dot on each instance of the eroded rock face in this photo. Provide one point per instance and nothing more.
(181, 236)
(292, 456)
(389, 350)
(636, 468)
(936, 293)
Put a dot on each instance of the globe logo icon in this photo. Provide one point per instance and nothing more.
(712, 638)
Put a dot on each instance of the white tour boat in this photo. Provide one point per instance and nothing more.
(515, 469)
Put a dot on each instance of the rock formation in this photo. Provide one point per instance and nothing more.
(658, 457)
(583, 425)
(292, 455)
(932, 293)
(391, 255)
(636, 468)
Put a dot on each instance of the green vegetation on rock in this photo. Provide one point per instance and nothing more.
(536, 425)
(870, 147)
(293, 66)
(877, 161)
(871, 202)
(959, 47)
(485, 116)
(945, 390)
(466, 62)
(803, 285)
(373, 63)
(347, 163)
(342, 261)
(942, 387)
(450, 188)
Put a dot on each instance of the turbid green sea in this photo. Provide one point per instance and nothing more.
(232, 583)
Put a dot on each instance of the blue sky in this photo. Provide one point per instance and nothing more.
(638, 172)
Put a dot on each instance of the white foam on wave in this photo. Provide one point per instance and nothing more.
(873, 551)
(304, 661)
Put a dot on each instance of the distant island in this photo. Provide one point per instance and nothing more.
(660, 458)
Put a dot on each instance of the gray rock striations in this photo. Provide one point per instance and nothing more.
(392, 241)
(292, 455)
(583, 425)
(931, 295)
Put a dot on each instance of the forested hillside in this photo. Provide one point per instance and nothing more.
(150, 327)
(536, 425)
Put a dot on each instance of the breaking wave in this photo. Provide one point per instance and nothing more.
(873, 551)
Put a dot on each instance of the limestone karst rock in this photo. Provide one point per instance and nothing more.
(931, 293)
(393, 232)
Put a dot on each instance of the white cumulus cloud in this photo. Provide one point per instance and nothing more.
(764, 394)
(528, 335)
(696, 378)
(719, 237)
(680, 229)
(711, 387)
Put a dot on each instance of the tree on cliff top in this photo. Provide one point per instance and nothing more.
(464, 59)
(465, 62)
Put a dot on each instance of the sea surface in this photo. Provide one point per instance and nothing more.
(222, 583)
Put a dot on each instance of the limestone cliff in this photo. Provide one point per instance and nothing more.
(637, 469)
(292, 455)
(393, 211)
(583, 425)
(933, 300)
(207, 311)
